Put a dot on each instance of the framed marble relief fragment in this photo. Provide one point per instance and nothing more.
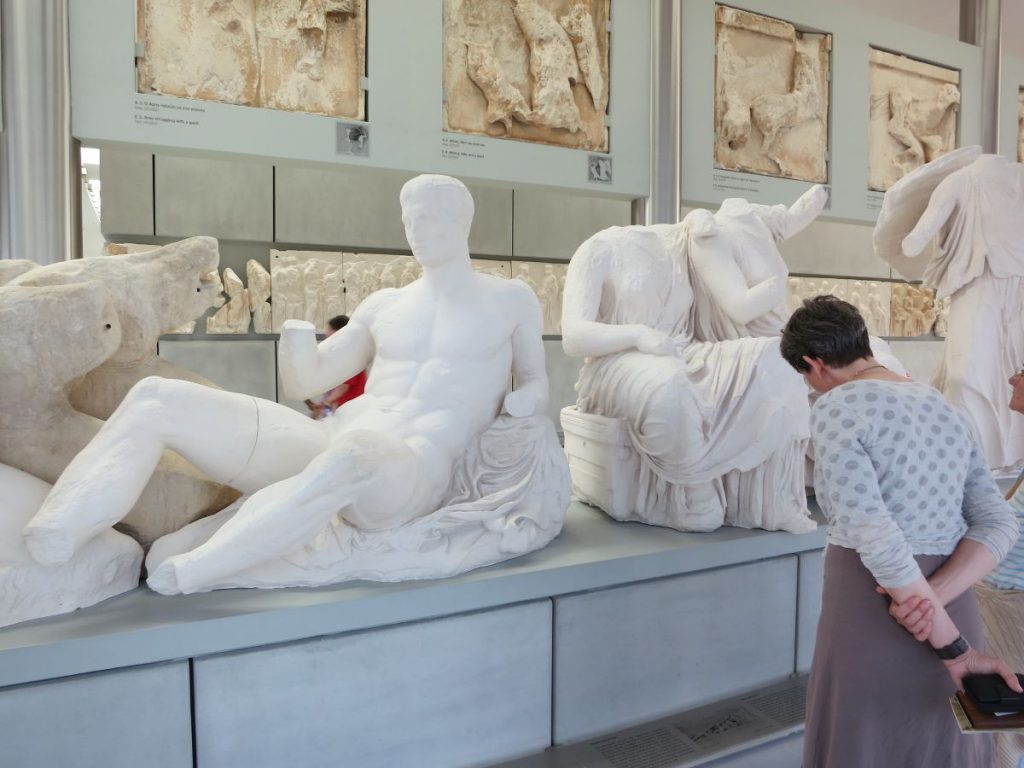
(913, 115)
(771, 96)
(293, 55)
(532, 70)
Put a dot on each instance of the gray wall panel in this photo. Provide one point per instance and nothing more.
(834, 248)
(126, 192)
(563, 372)
(353, 209)
(469, 690)
(920, 356)
(133, 717)
(232, 199)
(831, 248)
(551, 225)
(237, 365)
(637, 653)
(812, 569)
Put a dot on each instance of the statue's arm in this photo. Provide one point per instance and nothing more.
(712, 259)
(582, 334)
(308, 369)
(786, 222)
(529, 372)
(940, 207)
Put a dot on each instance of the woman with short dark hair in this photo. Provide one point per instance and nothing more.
(913, 509)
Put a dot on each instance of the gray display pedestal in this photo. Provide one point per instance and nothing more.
(612, 625)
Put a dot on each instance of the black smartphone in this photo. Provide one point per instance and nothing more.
(992, 694)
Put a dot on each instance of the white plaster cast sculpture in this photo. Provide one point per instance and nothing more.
(235, 315)
(435, 470)
(534, 70)
(941, 327)
(957, 225)
(106, 566)
(53, 347)
(771, 96)
(307, 285)
(296, 55)
(679, 326)
(11, 268)
(912, 116)
(259, 296)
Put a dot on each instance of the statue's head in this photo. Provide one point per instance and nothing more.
(437, 212)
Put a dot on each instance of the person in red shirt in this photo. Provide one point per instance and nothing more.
(332, 400)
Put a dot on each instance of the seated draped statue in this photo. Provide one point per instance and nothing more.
(679, 326)
(956, 224)
(435, 470)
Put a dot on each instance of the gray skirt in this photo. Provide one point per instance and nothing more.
(877, 698)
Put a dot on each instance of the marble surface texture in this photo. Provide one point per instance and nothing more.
(533, 70)
(278, 54)
(771, 96)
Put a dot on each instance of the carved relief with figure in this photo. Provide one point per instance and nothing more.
(912, 117)
(913, 310)
(771, 96)
(534, 70)
(547, 282)
(306, 285)
(294, 55)
(233, 317)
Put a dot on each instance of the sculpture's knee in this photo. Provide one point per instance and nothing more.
(148, 399)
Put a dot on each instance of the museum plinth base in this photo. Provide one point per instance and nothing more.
(612, 625)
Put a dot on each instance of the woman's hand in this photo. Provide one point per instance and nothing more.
(654, 342)
(914, 614)
(973, 662)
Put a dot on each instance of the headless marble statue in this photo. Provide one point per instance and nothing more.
(677, 325)
(420, 477)
(968, 207)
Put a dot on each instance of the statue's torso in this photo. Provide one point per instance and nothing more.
(442, 364)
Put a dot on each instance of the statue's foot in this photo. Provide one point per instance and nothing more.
(164, 579)
(48, 546)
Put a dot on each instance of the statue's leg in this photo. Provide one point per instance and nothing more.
(235, 439)
(370, 480)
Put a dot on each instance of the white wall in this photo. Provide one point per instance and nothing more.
(1013, 27)
(941, 17)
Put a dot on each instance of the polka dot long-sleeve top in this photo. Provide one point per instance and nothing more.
(898, 473)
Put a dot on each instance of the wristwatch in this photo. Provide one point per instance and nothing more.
(957, 648)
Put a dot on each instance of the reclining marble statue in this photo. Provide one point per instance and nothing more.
(435, 470)
(956, 225)
(678, 324)
(59, 382)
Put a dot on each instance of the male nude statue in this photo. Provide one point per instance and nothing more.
(442, 350)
